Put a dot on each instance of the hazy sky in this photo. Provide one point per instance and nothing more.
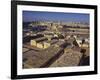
(55, 16)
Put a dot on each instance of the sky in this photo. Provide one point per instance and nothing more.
(55, 16)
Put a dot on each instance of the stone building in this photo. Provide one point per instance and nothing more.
(37, 40)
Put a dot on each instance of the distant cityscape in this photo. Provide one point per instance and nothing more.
(50, 40)
(29, 16)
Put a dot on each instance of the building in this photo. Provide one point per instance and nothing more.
(33, 42)
(27, 38)
(40, 45)
(37, 40)
(49, 43)
(61, 44)
(85, 44)
(70, 39)
(46, 45)
(49, 36)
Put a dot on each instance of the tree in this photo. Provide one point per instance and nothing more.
(83, 51)
(75, 43)
(83, 41)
